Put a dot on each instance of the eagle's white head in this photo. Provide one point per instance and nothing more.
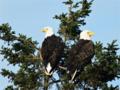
(86, 35)
(48, 31)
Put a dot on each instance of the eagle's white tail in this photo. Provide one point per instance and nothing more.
(48, 70)
(48, 67)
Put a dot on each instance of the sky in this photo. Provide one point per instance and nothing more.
(29, 16)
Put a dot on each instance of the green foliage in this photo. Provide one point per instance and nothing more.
(71, 22)
(105, 87)
(21, 51)
(5, 33)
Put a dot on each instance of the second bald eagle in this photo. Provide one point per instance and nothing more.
(52, 50)
(80, 54)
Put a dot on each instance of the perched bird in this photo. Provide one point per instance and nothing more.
(80, 54)
(52, 50)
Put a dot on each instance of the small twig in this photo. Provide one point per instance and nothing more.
(64, 68)
(40, 54)
(33, 58)
(74, 75)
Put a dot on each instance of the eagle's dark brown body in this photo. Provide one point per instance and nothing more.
(52, 51)
(80, 55)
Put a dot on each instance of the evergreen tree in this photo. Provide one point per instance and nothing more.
(21, 51)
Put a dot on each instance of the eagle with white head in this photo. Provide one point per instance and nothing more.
(80, 54)
(52, 50)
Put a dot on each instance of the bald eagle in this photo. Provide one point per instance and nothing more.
(80, 54)
(51, 51)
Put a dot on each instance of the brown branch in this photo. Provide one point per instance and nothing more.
(40, 54)
(34, 58)
(64, 68)
(46, 85)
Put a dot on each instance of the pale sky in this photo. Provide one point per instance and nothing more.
(29, 16)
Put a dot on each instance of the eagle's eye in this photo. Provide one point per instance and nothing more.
(46, 29)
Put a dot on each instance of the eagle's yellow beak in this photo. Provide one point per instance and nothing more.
(91, 33)
(44, 30)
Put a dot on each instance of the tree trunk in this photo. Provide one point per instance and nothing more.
(46, 83)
